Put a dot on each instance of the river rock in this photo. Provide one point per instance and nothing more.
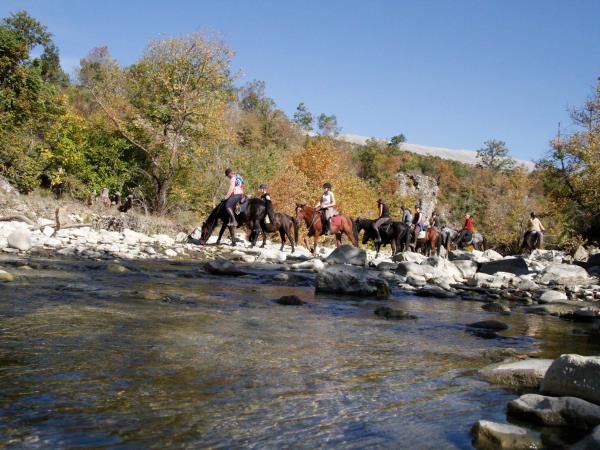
(581, 254)
(555, 411)
(347, 280)
(223, 267)
(550, 296)
(5, 276)
(116, 268)
(347, 254)
(464, 255)
(563, 274)
(553, 309)
(444, 268)
(593, 261)
(409, 256)
(409, 269)
(590, 442)
(20, 239)
(492, 255)
(516, 266)
(523, 373)
(467, 267)
(434, 291)
(493, 435)
(574, 376)
(386, 265)
(314, 264)
(290, 300)
(496, 307)
(416, 281)
(552, 256)
(494, 325)
(271, 255)
(391, 313)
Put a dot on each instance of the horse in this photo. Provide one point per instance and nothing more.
(393, 233)
(219, 213)
(255, 218)
(312, 219)
(532, 240)
(433, 241)
(475, 239)
(447, 236)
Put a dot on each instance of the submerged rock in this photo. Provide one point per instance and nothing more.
(351, 281)
(434, 291)
(223, 267)
(494, 325)
(5, 276)
(496, 307)
(524, 373)
(574, 376)
(391, 313)
(590, 442)
(290, 300)
(555, 411)
(493, 435)
(347, 254)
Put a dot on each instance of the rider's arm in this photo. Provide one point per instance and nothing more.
(542, 227)
(332, 201)
(380, 209)
(231, 187)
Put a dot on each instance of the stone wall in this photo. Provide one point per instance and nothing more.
(422, 188)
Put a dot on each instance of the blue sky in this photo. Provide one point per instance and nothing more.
(444, 73)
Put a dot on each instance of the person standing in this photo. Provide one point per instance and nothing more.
(406, 216)
(416, 224)
(234, 194)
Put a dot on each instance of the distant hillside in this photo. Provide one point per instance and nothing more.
(465, 156)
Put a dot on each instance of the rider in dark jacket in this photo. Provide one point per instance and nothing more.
(384, 217)
(266, 197)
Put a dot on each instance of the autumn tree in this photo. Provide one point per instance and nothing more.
(169, 105)
(495, 155)
(303, 118)
(328, 125)
(572, 171)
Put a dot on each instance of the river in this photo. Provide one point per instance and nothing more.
(165, 355)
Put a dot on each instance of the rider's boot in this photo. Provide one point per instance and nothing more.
(377, 236)
(326, 227)
(232, 221)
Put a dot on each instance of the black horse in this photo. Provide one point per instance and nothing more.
(219, 213)
(531, 240)
(255, 218)
(397, 234)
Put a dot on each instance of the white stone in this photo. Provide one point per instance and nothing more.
(525, 373)
(20, 239)
(170, 253)
(492, 255)
(552, 296)
(150, 250)
(48, 231)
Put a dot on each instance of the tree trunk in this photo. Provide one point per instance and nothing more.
(162, 194)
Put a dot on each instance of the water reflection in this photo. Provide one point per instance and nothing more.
(150, 358)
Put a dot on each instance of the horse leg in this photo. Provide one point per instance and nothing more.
(221, 231)
(232, 235)
(291, 239)
(338, 239)
(282, 237)
(316, 240)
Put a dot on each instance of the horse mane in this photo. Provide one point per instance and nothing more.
(212, 218)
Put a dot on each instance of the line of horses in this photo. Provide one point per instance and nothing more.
(398, 235)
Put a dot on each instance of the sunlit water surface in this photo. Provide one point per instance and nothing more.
(168, 356)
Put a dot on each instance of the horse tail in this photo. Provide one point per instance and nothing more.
(354, 230)
(296, 227)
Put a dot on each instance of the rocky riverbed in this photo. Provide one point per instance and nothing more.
(487, 295)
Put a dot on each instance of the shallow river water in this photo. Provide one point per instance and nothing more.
(166, 356)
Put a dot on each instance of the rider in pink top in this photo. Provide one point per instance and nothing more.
(234, 194)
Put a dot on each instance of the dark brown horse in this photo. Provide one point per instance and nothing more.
(433, 241)
(283, 224)
(312, 219)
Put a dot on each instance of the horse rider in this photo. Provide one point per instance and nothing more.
(234, 194)
(266, 197)
(327, 206)
(416, 223)
(434, 220)
(466, 230)
(384, 217)
(536, 227)
(406, 216)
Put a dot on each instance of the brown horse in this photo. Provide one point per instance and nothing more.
(433, 241)
(312, 219)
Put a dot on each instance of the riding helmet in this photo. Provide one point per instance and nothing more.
(327, 185)
(262, 186)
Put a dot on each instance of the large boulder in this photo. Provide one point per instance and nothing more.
(563, 274)
(467, 268)
(20, 239)
(516, 266)
(354, 281)
(574, 376)
(444, 267)
(271, 255)
(434, 291)
(581, 254)
(493, 435)
(492, 255)
(524, 373)
(555, 411)
(590, 442)
(346, 254)
(547, 256)
(411, 269)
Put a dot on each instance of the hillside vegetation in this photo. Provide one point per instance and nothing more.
(165, 128)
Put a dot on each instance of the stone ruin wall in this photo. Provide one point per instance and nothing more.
(421, 188)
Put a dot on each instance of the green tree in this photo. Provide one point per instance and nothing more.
(396, 141)
(170, 105)
(495, 155)
(303, 118)
(328, 125)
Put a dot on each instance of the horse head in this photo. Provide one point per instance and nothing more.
(205, 233)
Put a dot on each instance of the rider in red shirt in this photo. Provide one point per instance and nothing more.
(468, 223)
